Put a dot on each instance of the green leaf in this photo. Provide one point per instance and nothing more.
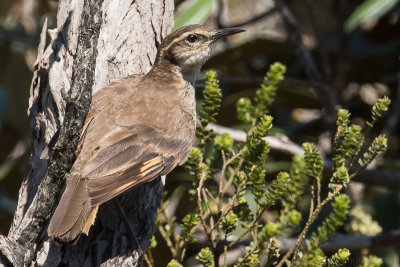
(224, 142)
(369, 10)
(378, 146)
(174, 263)
(340, 258)
(336, 218)
(196, 13)
(340, 176)
(229, 222)
(378, 110)
(206, 257)
(153, 242)
(265, 95)
(245, 110)
(313, 160)
(371, 261)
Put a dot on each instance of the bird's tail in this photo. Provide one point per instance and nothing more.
(74, 213)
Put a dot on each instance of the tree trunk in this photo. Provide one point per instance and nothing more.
(95, 42)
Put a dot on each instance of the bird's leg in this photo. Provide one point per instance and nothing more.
(128, 227)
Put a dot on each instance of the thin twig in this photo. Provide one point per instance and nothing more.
(170, 223)
(230, 181)
(209, 194)
(202, 217)
(221, 179)
(295, 247)
(148, 257)
(249, 229)
(203, 192)
(311, 202)
(168, 240)
(233, 200)
(319, 190)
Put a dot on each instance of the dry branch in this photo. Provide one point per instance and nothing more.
(279, 143)
(93, 44)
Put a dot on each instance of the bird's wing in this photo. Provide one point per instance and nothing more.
(128, 156)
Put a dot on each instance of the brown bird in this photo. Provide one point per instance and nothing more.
(138, 128)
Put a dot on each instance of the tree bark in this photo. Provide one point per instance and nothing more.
(95, 42)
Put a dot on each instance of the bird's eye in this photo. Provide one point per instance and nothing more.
(192, 38)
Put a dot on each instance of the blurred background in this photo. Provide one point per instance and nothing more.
(338, 53)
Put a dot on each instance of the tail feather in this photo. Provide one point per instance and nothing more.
(72, 212)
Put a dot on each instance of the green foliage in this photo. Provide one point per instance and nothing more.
(242, 210)
(343, 119)
(338, 259)
(367, 11)
(241, 195)
(251, 261)
(265, 96)
(189, 222)
(224, 142)
(212, 99)
(272, 229)
(339, 177)
(245, 110)
(251, 258)
(205, 257)
(293, 218)
(229, 223)
(273, 252)
(378, 110)
(342, 123)
(340, 209)
(194, 161)
(195, 13)
(378, 146)
(313, 160)
(275, 190)
(371, 261)
(295, 186)
(153, 242)
(350, 146)
(256, 179)
(262, 128)
(195, 166)
(209, 107)
(315, 259)
(269, 230)
(174, 263)
(362, 222)
(349, 140)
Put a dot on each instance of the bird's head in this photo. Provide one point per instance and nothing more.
(189, 47)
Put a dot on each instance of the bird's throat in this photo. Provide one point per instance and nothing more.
(166, 70)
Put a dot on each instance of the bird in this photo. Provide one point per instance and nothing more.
(138, 128)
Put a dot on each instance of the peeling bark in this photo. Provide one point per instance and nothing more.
(95, 42)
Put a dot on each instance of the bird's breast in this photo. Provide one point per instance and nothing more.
(170, 109)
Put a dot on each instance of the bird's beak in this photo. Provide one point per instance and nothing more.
(221, 33)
